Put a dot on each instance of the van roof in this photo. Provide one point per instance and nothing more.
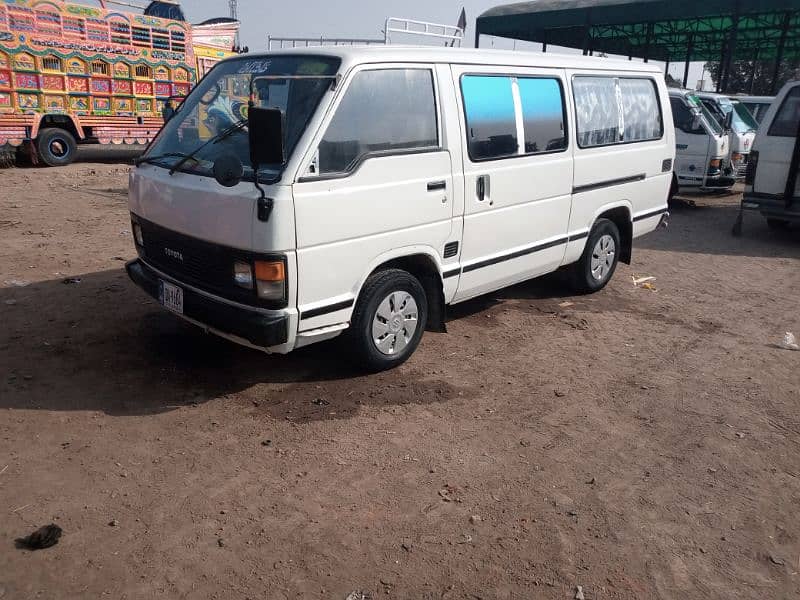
(353, 55)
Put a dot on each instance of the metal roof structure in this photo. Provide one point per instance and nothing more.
(666, 30)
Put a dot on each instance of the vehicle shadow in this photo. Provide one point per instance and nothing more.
(102, 345)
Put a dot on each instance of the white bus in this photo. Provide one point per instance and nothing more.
(368, 188)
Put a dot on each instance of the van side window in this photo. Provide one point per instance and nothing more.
(683, 117)
(787, 119)
(491, 114)
(542, 114)
(616, 110)
(384, 111)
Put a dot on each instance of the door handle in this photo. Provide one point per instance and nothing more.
(482, 185)
(434, 186)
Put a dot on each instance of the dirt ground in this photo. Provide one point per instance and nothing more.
(638, 443)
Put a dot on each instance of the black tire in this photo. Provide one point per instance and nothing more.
(777, 224)
(673, 188)
(583, 281)
(376, 290)
(56, 147)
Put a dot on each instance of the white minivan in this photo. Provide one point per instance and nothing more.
(302, 194)
(734, 117)
(702, 145)
(772, 187)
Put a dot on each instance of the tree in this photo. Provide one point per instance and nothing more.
(755, 76)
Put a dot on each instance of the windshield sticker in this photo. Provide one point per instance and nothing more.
(255, 66)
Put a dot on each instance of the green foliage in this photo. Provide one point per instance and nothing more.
(761, 73)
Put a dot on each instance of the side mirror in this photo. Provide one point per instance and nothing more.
(727, 124)
(266, 132)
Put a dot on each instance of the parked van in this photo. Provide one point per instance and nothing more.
(738, 122)
(393, 182)
(757, 105)
(772, 186)
(702, 145)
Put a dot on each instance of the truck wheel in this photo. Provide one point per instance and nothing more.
(599, 259)
(389, 320)
(56, 147)
(777, 224)
(673, 188)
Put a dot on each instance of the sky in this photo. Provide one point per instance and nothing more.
(357, 19)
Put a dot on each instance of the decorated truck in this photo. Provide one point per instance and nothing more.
(73, 73)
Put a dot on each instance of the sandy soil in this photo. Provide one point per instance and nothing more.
(638, 443)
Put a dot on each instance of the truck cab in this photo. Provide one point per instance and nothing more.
(742, 131)
(702, 146)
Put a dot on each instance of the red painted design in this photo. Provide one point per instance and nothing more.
(25, 81)
(52, 82)
(79, 84)
(5, 79)
(101, 86)
(143, 88)
(122, 87)
(163, 89)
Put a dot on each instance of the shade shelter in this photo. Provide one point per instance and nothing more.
(665, 30)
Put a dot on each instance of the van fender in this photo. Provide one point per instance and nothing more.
(579, 233)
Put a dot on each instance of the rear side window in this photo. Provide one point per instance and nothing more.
(616, 110)
(513, 116)
(385, 111)
(787, 119)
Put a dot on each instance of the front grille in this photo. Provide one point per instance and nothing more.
(201, 264)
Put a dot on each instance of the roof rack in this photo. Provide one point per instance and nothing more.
(394, 25)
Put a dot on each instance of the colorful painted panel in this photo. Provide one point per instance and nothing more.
(101, 86)
(53, 82)
(123, 105)
(122, 70)
(143, 88)
(79, 104)
(26, 81)
(5, 100)
(144, 106)
(101, 105)
(122, 87)
(162, 73)
(5, 79)
(28, 101)
(3, 60)
(24, 62)
(78, 85)
(163, 89)
(75, 66)
(181, 74)
(55, 103)
(181, 89)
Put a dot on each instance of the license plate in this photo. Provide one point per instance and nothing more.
(171, 297)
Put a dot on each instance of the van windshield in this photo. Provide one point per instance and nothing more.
(720, 107)
(220, 103)
(697, 106)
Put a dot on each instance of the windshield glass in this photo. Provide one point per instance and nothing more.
(744, 114)
(720, 107)
(221, 99)
(710, 120)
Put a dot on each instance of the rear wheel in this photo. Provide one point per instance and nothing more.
(389, 320)
(599, 259)
(56, 147)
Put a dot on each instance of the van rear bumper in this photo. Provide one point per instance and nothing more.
(772, 206)
(259, 329)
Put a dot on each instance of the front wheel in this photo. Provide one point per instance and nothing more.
(389, 320)
(599, 259)
(56, 147)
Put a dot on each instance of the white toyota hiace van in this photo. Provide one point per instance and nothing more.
(302, 194)
(702, 145)
(772, 187)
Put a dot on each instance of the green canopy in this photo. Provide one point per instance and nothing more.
(668, 30)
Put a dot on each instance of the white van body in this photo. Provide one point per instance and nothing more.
(467, 170)
(757, 105)
(743, 128)
(772, 187)
(702, 147)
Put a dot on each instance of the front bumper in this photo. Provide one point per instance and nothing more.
(257, 328)
(772, 207)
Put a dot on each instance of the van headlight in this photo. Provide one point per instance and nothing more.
(243, 275)
(270, 279)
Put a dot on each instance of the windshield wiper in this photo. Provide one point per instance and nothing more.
(150, 159)
(238, 126)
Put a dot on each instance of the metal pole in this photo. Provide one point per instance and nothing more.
(721, 72)
(753, 73)
(587, 33)
(689, 51)
(544, 43)
(731, 49)
(647, 42)
(787, 19)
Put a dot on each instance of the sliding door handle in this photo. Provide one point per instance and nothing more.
(434, 186)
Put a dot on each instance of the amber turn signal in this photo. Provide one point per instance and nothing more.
(270, 271)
